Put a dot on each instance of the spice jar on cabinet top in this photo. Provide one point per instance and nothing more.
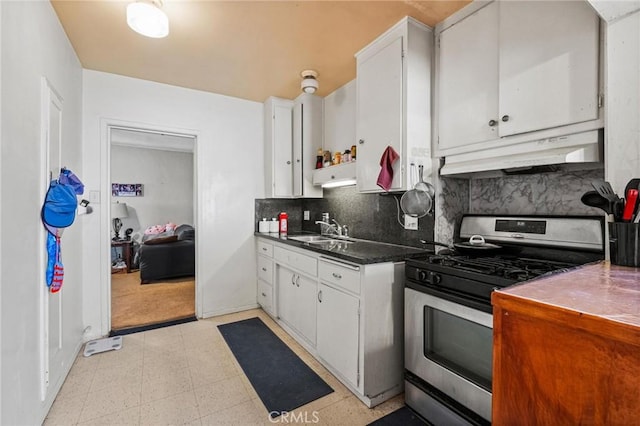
(337, 158)
(353, 152)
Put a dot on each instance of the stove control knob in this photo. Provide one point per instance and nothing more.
(429, 277)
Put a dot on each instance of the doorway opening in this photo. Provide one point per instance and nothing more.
(153, 218)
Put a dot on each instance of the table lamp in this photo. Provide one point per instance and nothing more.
(118, 211)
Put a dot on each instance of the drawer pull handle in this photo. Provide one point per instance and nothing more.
(264, 269)
(298, 281)
(264, 249)
(264, 295)
(336, 276)
(320, 296)
(293, 279)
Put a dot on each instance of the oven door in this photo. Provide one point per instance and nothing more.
(449, 346)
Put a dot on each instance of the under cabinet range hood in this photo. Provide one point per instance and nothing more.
(579, 148)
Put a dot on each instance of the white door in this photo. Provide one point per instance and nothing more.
(379, 114)
(282, 146)
(51, 307)
(468, 80)
(338, 331)
(548, 65)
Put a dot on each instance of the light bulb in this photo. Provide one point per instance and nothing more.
(147, 19)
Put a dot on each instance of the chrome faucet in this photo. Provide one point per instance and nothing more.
(339, 227)
(328, 228)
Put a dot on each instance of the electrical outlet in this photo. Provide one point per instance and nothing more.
(410, 222)
(306, 215)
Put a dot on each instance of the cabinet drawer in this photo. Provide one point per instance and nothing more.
(299, 261)
(342, 275)
(265, 295)
(265, 269)
(265, 248)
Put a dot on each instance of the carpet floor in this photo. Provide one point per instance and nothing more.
(133, 304)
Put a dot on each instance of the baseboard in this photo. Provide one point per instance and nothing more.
(229, 311)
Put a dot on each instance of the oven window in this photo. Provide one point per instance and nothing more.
(460, 345)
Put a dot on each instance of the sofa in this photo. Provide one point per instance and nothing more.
(167, 255)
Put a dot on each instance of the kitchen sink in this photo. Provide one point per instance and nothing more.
(330, 241)
(310, 238)
(318, 239)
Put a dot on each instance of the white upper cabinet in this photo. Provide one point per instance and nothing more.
(293, 133)
(514, 67)
(307, 139)
(393, 100)
(468, 80)
(548, 65)
(278, 150)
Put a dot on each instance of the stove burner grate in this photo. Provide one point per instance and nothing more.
(514, 268)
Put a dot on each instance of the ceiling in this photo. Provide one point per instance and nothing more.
(244, 49)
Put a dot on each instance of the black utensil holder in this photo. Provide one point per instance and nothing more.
(624, 243)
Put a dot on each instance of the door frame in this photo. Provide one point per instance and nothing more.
(106, 125)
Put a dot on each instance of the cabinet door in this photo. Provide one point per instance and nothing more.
(282, 157)
(468, 80)
(379, 114)
(298, 140)
(338, 331)
(286, 300)
(297, 302)
(306, 290)
(548, 65)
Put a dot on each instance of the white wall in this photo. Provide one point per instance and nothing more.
(34, 45)
(229, 176)
(167, 179)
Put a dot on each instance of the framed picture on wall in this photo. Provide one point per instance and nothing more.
(126, 190)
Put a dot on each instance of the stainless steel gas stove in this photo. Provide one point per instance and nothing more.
(448, 313)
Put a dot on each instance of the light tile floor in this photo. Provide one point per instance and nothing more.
(186, 374)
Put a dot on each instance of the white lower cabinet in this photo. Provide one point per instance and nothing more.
(297, 302)
(348, 316)
(265, 276)
(338, 331)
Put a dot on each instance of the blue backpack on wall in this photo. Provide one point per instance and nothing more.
(59, 211)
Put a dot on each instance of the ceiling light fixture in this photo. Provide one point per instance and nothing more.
(147, 18)
(309, 81)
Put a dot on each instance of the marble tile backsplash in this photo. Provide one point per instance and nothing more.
(540, 194)
(452, 197)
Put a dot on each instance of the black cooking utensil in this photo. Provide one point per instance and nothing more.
(604, 188)
(594, 199)
(632, 184)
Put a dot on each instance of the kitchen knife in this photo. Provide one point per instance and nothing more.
(630, 205)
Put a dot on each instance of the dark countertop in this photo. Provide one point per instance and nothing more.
(362, 252)
(599, 290)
